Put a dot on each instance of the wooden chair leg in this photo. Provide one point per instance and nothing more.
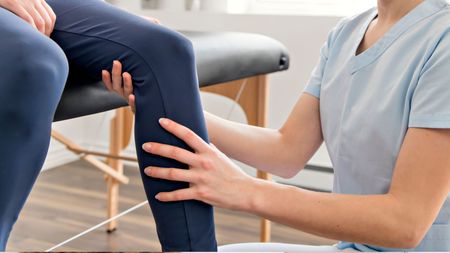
(115, 148)
(262, 100)
(120, 133)
(254, 101)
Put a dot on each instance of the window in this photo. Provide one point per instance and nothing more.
(311, 7)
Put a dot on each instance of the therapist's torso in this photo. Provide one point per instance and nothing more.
(368, 101)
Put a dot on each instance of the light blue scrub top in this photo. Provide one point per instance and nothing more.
(368, 101)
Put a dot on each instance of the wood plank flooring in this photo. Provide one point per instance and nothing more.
(70, 199)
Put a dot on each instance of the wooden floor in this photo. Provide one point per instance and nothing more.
(70, 199)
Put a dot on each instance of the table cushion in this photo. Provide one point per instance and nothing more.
(229, 56)
(220, 57)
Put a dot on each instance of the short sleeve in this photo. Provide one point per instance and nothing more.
(313, 85)
(430, 103)
(315, 80)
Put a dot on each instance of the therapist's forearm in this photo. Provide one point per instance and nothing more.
(282, 152)
(371, 219)
(259, 147)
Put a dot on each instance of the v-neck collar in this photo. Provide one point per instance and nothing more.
(420, 12)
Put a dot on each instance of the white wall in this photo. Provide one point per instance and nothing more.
(303, 35)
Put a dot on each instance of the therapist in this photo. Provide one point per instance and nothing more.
(380, 99)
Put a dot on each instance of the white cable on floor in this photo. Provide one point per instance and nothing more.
(99, 225)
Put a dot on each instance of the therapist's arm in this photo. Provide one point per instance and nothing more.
(282, 152)
(397, 219)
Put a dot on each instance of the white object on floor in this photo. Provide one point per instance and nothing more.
(279, 247)
(98, 226)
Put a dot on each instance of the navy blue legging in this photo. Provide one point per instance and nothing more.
(90, 34)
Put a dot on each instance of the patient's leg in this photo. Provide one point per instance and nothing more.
(33, 73)
(93, 34)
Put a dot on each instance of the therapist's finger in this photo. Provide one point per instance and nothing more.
(127, 84)
(171, 174)
(179, 195)
(172, 152)
(152, 19)
(106, 77)
(128, 90)
(156, 21)
(185, 134)
(132, 102)
(117, 77)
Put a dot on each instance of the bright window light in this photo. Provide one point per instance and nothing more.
(304, 7)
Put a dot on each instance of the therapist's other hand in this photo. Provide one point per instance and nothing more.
(35, 12)
(152, 19)
(121, 83)
(213, 177)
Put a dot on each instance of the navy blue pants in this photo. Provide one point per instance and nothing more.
(89, 35)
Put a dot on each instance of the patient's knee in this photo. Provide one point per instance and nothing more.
(162, 45)
(35, 82)
(180, 46)
(41, 70)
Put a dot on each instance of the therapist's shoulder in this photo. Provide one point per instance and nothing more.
(438, 25)
(356, 20)
(349, 25)
(434, 34)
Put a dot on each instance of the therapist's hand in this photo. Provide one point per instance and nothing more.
(213, 177)
(35, 12)
(152, 19)
(121, 83)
